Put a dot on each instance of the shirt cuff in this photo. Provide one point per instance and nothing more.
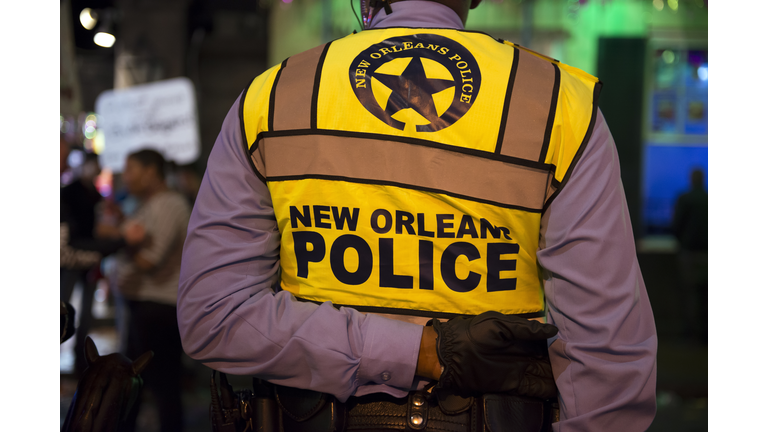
(390, 354)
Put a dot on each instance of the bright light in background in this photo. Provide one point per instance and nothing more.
(75, 158)
(658, 4)
(672, 4)
(703, 72)
(103, 182)
(98, 141)
(88, 18)
(89, 128)
(668, 57)
(105, 40)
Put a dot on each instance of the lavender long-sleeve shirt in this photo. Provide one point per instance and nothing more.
(233, 317)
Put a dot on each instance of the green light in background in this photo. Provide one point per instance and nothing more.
(658, 4)
(668, 57)
(672, 4)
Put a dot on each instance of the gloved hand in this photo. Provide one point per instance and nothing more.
(493, 353)
(107, 391)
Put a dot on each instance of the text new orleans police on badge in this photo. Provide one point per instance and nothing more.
(415, 87)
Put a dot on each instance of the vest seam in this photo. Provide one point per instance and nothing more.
(582, 147)
(551, 118)
(507, 98)
(413, 141)
(401, 185)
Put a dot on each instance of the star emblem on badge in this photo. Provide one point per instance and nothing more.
(413, 89)
(416, 83)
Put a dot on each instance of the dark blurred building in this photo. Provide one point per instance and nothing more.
(219, 44)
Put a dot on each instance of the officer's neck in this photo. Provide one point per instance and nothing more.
(418, 13)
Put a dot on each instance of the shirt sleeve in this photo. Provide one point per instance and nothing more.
(233, 317)
(604, 356)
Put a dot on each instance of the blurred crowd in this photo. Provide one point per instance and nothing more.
(132, 238)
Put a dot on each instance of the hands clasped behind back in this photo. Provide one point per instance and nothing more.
(493, 352)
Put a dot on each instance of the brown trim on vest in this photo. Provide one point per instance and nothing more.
(257, 161)
(552, 186)
(552, 112)
(407, 140)
(316, 86)
(271, 113)
(396, 163)
(505, 113)
(294, 90)
(529, 107)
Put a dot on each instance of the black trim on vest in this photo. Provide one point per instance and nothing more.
(248, 152)
(580, 151)
(316, 87)
(412, 312)
(400, 185)
(551, 118)
(505, 111)
(407, 140)
(271, 114)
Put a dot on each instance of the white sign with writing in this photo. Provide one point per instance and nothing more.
(161, 116)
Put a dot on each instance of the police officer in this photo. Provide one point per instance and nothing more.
(401, 207)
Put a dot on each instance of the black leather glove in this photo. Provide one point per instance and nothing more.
(107, 391)
(67, 322)
(493, 353)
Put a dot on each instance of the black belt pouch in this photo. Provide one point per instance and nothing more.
(308, 411)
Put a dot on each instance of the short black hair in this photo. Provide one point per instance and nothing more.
(149, 157)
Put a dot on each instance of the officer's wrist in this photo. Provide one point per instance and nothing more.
(428, 365)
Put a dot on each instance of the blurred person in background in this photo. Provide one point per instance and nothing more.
(317, 157)
(188, 182)
(147, 279)
(690, 227)
(81, 250)
(185, 180)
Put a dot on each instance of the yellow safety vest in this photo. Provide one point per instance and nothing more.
(409, 168)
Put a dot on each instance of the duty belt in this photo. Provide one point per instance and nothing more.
(274, 408)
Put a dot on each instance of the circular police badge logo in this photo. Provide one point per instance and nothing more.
(424, 80)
